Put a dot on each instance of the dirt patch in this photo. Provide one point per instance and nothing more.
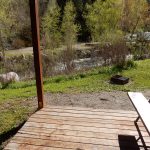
(103, 100)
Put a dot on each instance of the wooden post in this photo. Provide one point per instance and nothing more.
(36, 50)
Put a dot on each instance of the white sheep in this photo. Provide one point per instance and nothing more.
(8, 78)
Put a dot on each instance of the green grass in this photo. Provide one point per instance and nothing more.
(94, 80)
(13, 110)
(12, 117)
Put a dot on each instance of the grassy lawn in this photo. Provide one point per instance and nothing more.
(94, 80)
(13, 110)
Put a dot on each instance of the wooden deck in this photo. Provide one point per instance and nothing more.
(67, 128)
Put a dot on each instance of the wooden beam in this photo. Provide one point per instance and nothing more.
(36, 50)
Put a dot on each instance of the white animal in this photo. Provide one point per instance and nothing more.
(8, 78)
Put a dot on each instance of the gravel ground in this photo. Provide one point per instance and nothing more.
(117, 100)
(105, 100)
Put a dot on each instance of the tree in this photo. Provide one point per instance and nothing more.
(103, 17)
(136, 21)
(69, 32)
(80, 9)
(6, 22)
(69, 28)
(14, 17)
(50, 27)
(134, 15)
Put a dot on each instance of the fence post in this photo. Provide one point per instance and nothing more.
(36, 50)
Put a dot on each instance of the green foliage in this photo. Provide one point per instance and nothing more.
(69, 33)
(50, 26)
(134, 15)
(5, 14)
(18, 12)
(103, 17)
(69, 28)
(130, 64)
(140, 50)
(113, 37)
(135, 21)
(14, 17)
(5, 22)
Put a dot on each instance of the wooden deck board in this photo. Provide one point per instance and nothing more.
(67, 128)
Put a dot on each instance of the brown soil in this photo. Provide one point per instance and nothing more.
(102, 100)
(105, 100)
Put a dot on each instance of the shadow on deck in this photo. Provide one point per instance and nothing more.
(72, 128)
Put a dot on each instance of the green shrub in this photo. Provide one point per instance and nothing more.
(124, 66)
(130, 64)
(51, 29)
(69, 35)
(105, 70)
(102, 17)
(82, 75)
(59, 79)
